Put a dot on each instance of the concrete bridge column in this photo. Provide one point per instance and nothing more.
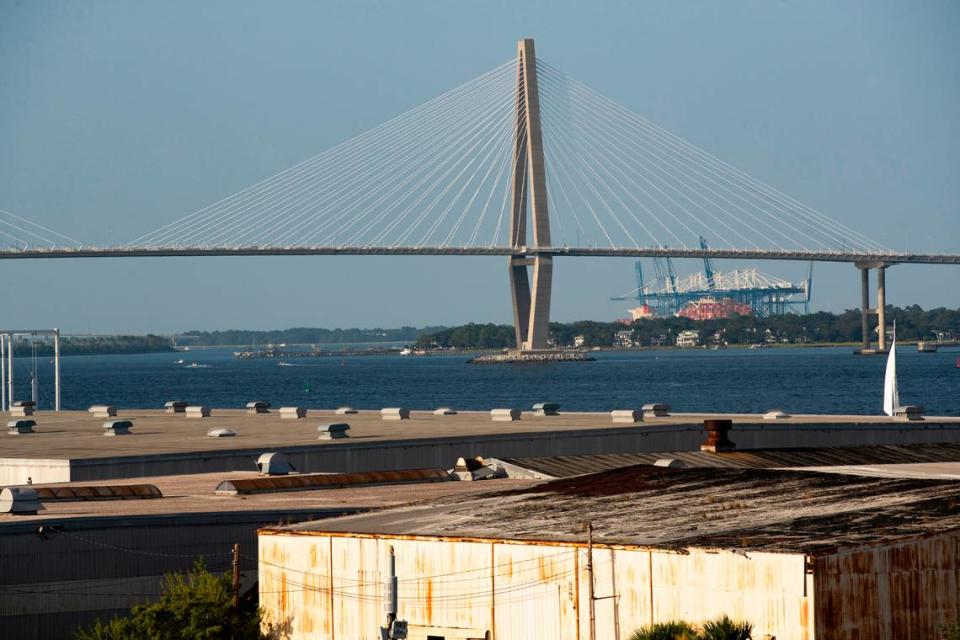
(865, 305)
(881, 308)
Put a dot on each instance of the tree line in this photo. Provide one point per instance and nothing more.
(300, 335)
(91, 345)
(913, 323)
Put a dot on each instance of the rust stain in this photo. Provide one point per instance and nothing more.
(428, 605)
(313, 556)
(805, 618)
(283, 595)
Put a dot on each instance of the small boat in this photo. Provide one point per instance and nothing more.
(180, 361)
(405, 352)
(194, 365)
(284, 364)
(891, 395)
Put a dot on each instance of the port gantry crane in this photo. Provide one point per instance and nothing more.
(766, 295)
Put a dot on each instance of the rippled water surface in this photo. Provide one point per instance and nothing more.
(827, 380)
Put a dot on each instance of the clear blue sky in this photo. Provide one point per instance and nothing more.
(117, 117)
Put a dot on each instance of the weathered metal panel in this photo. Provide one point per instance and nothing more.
(541, 590)
(895, 591)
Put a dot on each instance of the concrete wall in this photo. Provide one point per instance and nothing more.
(24, 471)
(320, 586)
(442, 452)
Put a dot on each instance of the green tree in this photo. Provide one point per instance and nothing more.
(676, 630)
(194, 606)
(726, 629)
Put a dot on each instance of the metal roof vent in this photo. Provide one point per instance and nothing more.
(222, 432)
(908, 412)
(656, 409)
(175, 406)
(717, 441)
(117, 427)
(444, 411)
(345, 411)
(258, 406)
(475, 469)
(22, 408)
(546, 409)
(16, 427)
(395, 413)
(274, 464)
(103, 411)
(21, 501)
(671, 463)
(776, 414)
(333, 431)
(628, 416)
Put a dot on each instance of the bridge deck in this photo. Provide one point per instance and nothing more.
(732, 254)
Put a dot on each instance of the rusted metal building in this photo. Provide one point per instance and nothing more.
(799, 554)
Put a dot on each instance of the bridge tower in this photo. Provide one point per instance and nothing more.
(531, 305)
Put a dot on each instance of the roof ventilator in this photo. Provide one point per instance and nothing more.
(476, 469)
(258, 406)
(22, 409)
(103, 411)
(21, 501)
(395, 413)
(293, 413)
(546, 409)
(504, 415)
(221, 432)
(333, 431)
(175, 406)
(16, 427)
(908, 412)
(656, 409)
(776, 414)
(717, 441)
(117, 427)
(627, 416)
(274, 464)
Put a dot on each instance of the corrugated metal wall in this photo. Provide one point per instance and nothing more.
(898, 591)
(541, 590)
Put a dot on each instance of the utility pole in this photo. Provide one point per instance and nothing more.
(395, 629)
(589, 567)
(236, 581)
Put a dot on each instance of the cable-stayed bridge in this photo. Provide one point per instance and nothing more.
(523, 146)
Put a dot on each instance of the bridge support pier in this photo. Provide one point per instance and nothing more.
(531, 304)
(880, 310)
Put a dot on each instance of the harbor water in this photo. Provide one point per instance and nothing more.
(801, 380)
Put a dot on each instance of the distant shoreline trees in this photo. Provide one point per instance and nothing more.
(913, 323)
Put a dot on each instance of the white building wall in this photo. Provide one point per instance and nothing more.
(539, 590)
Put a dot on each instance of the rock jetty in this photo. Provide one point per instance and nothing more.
(531, 357)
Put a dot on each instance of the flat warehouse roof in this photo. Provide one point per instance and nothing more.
(78, 435)
(194, 494)
(749, 509)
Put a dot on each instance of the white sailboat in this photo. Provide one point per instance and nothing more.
(891, 396)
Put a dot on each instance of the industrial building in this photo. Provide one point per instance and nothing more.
(120, 511)
(799, 554)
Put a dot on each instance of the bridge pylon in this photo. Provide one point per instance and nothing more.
(531, 304)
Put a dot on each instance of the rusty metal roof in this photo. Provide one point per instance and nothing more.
(648, 506)
(568, 466)
(99, 492)
(313, 481)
